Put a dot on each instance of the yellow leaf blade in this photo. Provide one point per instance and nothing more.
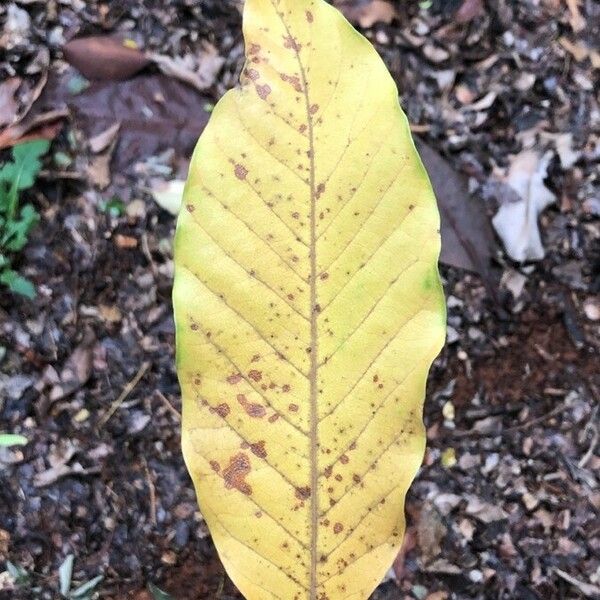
(309, 310)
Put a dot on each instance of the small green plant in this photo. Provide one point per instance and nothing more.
(16, 221)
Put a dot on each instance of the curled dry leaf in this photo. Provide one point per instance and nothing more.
(104, 58)
(309, 309)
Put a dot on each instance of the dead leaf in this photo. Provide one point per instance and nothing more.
(431, 531)
(369, 13)
(149, 126)
(200, 76)
(484, 511)
(8, 104)
(98, 171)
(103, 140)
(517, 222)
(469, 10)
(168, 195)
(467, 238)
(45, 126)
(77, 369)
(104, 58)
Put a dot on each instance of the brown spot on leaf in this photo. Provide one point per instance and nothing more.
(314, 109)
(273, 418)
(235, 474)
(254, 49)
(214, 465)
(321, 186)
(256, 411)
(328, 471)
(293, 407)
(338, 528)
(291, 43)
(285, 388)
(303, 493)
(235, 378)
(356, 478)
(258, 449)
(344, 459)
(263, 91)
(309, 16)
(252, 74)
(255, 375)
(190, 208)
(222, 410)
(240, 172)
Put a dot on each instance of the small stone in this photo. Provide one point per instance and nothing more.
(448, 411)
(591, 308)
(476, 576)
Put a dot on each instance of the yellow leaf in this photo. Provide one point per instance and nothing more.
(309, 309)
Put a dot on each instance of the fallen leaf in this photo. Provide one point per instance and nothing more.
(430, 531)
(8, 104)
(367, 14)
(149, 126)
(467, 238)
(168, 195)
(200, 76)
(45, 126)
(77, 369)
(517, 222)
(104, 58)
(484, 511)
(469, 10)
(103, 140)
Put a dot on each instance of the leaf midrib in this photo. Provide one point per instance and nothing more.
(314, 341)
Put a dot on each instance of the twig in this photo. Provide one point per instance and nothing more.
(151, 491)
(126, 391)
(477, 434)
(591, 426)
(168, 405)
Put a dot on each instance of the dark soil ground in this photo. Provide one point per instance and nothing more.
(507, 503)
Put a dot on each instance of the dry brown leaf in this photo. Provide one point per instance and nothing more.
(104, 58)
(366, 15)
(201, 76)
(45, 126)
(469, 10)
(8, 104)
(103, 140)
